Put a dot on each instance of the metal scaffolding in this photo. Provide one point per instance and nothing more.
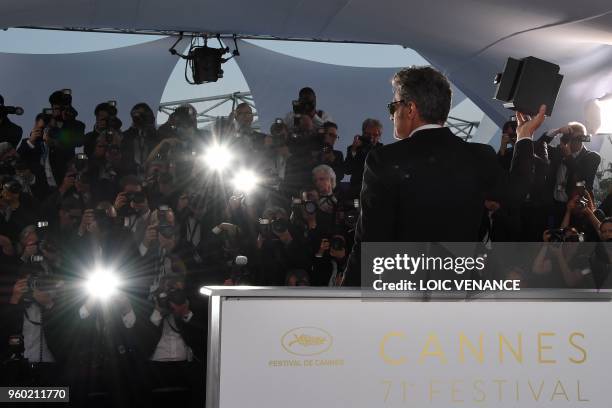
(462, 128)
(204, 116)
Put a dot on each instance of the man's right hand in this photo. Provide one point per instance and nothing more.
(526, 126)
(35, 135)
(121, 200)
(21, 287)
(150, 236)
(324, 247)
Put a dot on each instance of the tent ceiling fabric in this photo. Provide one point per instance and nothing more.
(348, 94)
(468, 39)
(129, 75)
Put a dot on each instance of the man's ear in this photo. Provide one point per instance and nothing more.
(411, 109)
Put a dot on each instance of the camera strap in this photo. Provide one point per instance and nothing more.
(174, 329)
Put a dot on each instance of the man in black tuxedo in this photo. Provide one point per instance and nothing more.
(412, 188)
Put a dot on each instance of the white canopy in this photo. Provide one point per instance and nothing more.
(468, 39)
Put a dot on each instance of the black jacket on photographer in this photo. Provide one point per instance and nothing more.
(9, 132)
(35, 156)
(581, 166)
(354, 165)
(138, 143)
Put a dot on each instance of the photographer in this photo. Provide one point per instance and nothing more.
(30, 318)
(35, 248)
(560, 263)
(570, 162)
(172, 339)
(329, 262)
(44, 155)
(16, 209)
(132, 207)
(506, 147)
(8, 159)
(324, 179)
(102, 346)
(141, 137)
(275, 153)
(280, 247)
(103, 113)
(67, 131)
(371, 132)
(243, 136)
(329, 156)
(110, 168)
(306, 105)
(580, 215)
(9, 132)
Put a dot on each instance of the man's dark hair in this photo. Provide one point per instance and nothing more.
(371, 122)
(60, 98)
(1, 100)
(428, 89)
(306, 91)
(329, 124)
(142, 105)
(605, 221)
(105, 107)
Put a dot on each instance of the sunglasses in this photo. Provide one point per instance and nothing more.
(393, 106)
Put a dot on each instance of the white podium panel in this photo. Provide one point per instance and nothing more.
(304, 349)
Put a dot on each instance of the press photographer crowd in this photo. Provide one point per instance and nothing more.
(107, 234)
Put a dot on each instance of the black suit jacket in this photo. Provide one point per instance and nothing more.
(581, 168)
(431, 188)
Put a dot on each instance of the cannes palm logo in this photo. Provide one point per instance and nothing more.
(306, 341)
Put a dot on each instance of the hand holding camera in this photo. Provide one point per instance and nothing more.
(35, 135)
(19, 289)
(88, 222)
(323, 248)
(121, 200)
(67, 183)
(150, 236)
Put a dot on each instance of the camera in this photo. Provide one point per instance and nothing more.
(364, 140)
(174, 295)
(337, 244)
(137, 197)
(556, 235)
(165, 228)
(39, 281)
(12, 186)
(10, 110)
(302, 107)
(309, 206)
